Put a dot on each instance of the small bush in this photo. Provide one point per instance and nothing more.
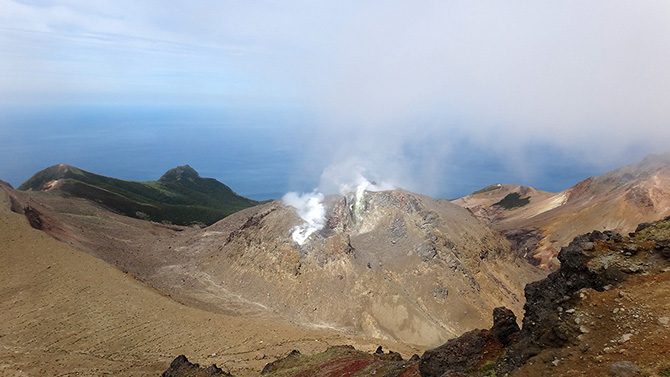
(489, 369)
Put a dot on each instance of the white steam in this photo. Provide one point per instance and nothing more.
(311, 208)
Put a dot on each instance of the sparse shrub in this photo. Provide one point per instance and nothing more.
(489, 369)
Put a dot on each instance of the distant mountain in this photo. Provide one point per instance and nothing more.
(618, 200)
(499, 201)
(180, 196)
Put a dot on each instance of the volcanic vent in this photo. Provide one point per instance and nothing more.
(389, 264)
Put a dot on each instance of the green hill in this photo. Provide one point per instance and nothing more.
(180, 196)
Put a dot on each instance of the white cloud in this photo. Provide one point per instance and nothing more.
(389, 83)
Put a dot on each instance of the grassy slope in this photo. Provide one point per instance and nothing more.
(181, 196)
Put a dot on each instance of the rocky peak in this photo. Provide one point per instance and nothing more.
(184, 172)
(361, 211)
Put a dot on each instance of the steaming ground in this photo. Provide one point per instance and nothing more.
(389, 265)
(64, 312)
(311, 208)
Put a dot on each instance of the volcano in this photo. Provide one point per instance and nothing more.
(389, 265)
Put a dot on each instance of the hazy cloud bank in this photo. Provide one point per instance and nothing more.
(393, 87)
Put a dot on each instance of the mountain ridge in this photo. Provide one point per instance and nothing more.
(616, 200)
(179, 197)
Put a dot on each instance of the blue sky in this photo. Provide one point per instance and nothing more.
(127, 51)
(383, 84)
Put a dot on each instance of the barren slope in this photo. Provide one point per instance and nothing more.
(498, 202)
(390, 265)
(63, 312)
(618, 200)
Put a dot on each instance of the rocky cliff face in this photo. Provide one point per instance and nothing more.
(574, 319)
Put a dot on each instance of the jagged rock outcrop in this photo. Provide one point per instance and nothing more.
(466, 353)
(556, 314)
(181, 367)
(292, 358)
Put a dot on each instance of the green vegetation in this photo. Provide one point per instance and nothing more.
(180, 196)
(513, 200)
(489, 369)
(655, 231)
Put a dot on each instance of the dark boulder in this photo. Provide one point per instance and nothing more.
(292, 358)
(181, 367)
(468, 352)
(505, 328)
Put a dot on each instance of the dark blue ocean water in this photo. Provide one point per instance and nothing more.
(258, 152)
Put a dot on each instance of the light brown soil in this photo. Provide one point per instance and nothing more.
(627, 324)
(247, 265)
(618, 200)
(66, 313)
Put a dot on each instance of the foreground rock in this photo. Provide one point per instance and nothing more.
(599, 312)
(343, 361)
(467, 352)
(334, 362)
(181, 367)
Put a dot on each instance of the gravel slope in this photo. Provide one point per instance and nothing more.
(64, 312)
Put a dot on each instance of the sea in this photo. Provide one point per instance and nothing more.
(258, 152)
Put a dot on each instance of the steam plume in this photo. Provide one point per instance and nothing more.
(311, 210)
(310, 206)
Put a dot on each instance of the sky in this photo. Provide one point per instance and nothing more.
(403, 90)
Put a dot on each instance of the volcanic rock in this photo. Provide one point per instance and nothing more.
(466, 353)
(556, 318)
(181, 367)
(624, 369)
